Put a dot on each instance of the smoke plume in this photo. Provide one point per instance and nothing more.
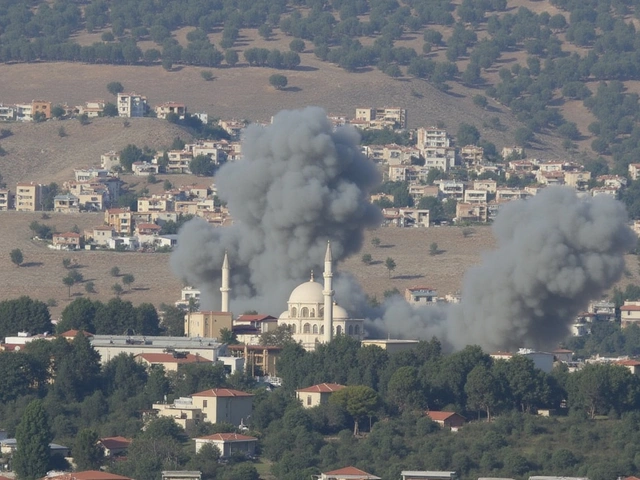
(555, 252)
(299, 184)
(302, 183)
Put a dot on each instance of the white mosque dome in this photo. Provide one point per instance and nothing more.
(308, 292)
(339, 313)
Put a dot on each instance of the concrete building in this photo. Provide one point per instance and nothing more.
(229, 444)
(120, 219)
(6, 200)
(131, 105)
(630, 314)
(165, 109)
(109, 346)
(428, 475)
(347, 473)
(421, 296)
(450, 420)
(170, 361)
(224, 405)
(114, 446)
(29, 197)
(41, 107)
(391, 345)
(207, 323)
(317, 394)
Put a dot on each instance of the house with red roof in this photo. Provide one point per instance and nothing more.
(348, 473)
(170, 361)
(629, 314)
(632, 365)
(87, 475)
(317, 394)
(229, 443)
(69, 335)
(451, 420)
(114, 446)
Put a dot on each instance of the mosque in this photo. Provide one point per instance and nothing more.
(312, 314)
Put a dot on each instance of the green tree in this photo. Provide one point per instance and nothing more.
(84, 119)
(297, 45)
(115, 271)
(57, 111)
(482, 390)
(202, 165)
(359, 401)
(404, 388)
(172, 320)
(127, 280)
(87, 454)
(228, 336)
(390, 264)
(129, 155)
(66, 262)
(33, 435)
(278, 337)
(433, 249)
(207, 75)
(69, 282)
(16, 257)
(115, 88)
(110, 110)
(90, 287)
(231, 57)
(467, 135)
(117, 289)
(278, 81)
(78, 315)
(367, 259)
(24, 315)
(375, 241)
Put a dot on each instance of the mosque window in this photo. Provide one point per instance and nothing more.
(315, 329)
(312, 313)
(293, 328)
(321, 312)
(306, 328)
(294, 312)
(339, 330)
(304, 313)
(350, 329)
(321, 329)
(356, 329)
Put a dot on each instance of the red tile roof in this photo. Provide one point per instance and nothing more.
(630, 308)
(229, 437)
(351, 471)
(254, 318)
(441, 416)
(89, 475)
(222, 392)
(169, 358)
(115, 442)
(73, 333)
(322, 388)
(628, 363)
(67, 235)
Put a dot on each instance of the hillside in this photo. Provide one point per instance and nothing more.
(36, 152)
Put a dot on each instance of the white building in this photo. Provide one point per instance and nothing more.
(131, 105)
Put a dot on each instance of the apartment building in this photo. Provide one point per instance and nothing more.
(29, 197)
(6, 199)
(165, 109)
(110, 160)
(131, 105)
(432, 137)
(394, 117)
(7, 113)
(41, 107)
(120, 219)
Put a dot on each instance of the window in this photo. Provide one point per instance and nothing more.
(350, 329)
(312, 313)
(293, 328)
(204, 404)
(306, 328)
(304, 313)
(356, 329)
(338, 330)
(315, 329)
(294, 312)
(308, 399)
(321, 329)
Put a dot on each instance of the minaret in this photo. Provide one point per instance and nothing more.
(224, 289)
(328, 295)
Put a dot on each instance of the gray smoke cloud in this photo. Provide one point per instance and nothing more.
(555, 252)
(301, 182)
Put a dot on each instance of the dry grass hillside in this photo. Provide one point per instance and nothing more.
(36, 151)
(42, 273)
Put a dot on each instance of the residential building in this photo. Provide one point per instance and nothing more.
(6, 200)
(100, 235)
(181, 475)
(66, 203)
(261, 323)
(92, 109)
(9, 445)
(415, 217)
(508, 152)
(169, 361)
(604, 310)
(29, 197)
(233, 127)
(24, 112)
(630, 314)
(67, 241)
(578, 180)
(7, 113)
(114, 446)
(508, 194)
(144, 169)
(632, 365)
(472, 212)
(186, 294)
(120, 219)
(475, 196)
(178, 161)
(258, 359)
(634, 168)
(317, 394)
(452, 189)
(471, 155)
(224, 405)
(41, 107)
(420, 191)
(165, 109)
(207, 324)
(442, 158)
(155, 204)
(421, 296)
(86, 475)
(432, 137)
(490, 186)
(131, 105)
(392, 117)
(110, 160)
(347, 473)
(229, 444)
(428, 475)
(450, 420)
(87, 174)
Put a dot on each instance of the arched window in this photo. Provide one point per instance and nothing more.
(294, 312)
(293, 328)
(321, 329)
(356, 329)
(306, 328)
(312, 313)
(304, 313)
(321, 312)
(350, 329)
(339, 330)
(315, 329)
